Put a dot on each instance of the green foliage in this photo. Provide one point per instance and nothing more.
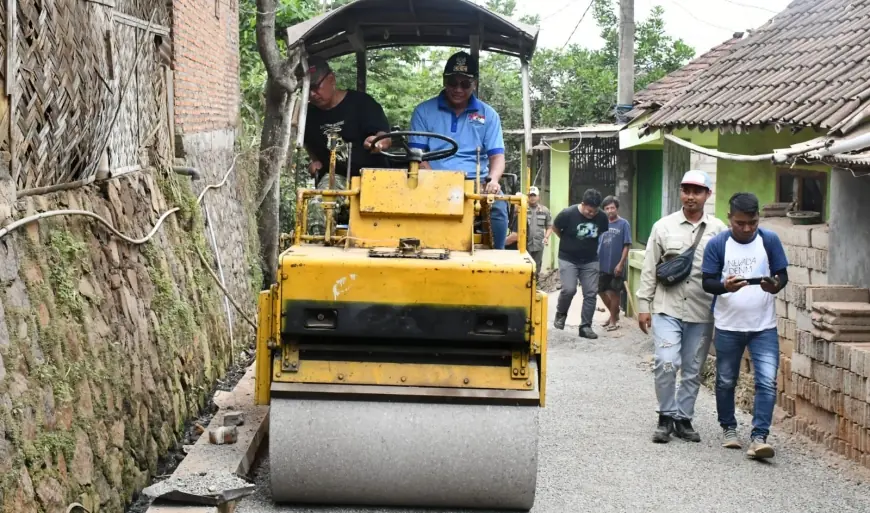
(251, 68)
(570, 87)
(49, 443)
(68, 257)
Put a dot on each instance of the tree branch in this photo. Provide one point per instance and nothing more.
(280, 70)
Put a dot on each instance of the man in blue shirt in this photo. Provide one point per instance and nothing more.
(458, 114)
(612, 260)
(744, 268)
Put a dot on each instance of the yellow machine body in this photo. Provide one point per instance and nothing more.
(404, 306)
(364, 294)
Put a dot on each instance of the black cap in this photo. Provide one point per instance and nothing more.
(318, 68)
(461, 63)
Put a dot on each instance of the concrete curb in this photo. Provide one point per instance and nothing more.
(238, 458)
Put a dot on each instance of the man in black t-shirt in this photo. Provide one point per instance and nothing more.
(357, 117)
(579, 228)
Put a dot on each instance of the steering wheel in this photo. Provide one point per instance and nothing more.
(415, 154)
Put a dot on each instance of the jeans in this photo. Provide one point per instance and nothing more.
(498, 218)
(764, 351)
(587, 274)
(679, 347)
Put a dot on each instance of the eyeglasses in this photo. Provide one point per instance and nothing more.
(315, 87)
(455, 83)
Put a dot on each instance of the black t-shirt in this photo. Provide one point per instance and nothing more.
(578, 242)
(359, 116)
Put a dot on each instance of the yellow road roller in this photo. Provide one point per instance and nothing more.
(403, 359)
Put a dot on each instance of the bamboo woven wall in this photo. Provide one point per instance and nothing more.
(71, 59)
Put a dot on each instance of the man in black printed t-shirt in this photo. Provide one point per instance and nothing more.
(579, 228)
(357, 117)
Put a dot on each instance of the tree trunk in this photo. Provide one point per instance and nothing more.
(273, 154)
(275, 140)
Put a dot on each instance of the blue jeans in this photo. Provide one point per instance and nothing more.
(498, 218)
(764, 351)
(679, 347)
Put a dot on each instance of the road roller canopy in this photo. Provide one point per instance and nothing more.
(368, 24)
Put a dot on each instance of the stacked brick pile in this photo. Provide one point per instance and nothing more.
(807, 250)
(828, 392)
(824, 335)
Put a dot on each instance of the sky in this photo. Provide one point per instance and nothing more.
(702, 24)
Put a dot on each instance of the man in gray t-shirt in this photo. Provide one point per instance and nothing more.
(613, 260)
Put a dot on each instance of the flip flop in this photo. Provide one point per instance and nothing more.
(612, 327)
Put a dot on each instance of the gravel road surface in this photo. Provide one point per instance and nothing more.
(596, 454)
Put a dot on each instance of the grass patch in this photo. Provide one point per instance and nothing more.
(69, 260)
(49, 443)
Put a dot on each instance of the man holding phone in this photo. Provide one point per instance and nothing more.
(744, 268)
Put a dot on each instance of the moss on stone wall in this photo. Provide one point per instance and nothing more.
(111, 347)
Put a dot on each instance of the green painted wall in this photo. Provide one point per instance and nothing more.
(648, 193)
(758, 178)
(559, 175)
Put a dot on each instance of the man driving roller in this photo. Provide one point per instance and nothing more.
(357, 118)
(458, 114)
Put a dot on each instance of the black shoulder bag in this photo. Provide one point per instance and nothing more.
(678, 269)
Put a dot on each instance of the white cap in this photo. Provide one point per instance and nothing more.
(535, 191)
(699, 178)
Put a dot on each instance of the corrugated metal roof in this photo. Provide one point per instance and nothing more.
(808, 66)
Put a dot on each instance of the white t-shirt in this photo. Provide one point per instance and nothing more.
(750, 309)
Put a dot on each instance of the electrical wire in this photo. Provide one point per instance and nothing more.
(572, 150)
(740, 4)
(137, 242)
(705, 22)
(578, 24)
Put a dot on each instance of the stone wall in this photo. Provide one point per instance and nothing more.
(107, 348)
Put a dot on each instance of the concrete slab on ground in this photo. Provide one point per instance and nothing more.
(238, 457)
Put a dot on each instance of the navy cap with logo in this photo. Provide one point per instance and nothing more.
(461, 63)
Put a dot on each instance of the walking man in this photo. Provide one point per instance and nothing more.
(679, 313)
(579, 228)
(612, 260)
(744, 268)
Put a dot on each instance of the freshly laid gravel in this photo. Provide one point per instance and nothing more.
(596, 454)
(203, 484)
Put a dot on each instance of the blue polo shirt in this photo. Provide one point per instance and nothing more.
(479, 125)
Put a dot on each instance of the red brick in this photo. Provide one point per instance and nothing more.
(207, 67)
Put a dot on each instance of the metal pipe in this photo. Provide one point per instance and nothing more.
(223, 281)
(303, 110)
(522, 225)
(192, 172)
(349, 157)
(844, 146)
(513, 200)
(527, 121)
(718, 154)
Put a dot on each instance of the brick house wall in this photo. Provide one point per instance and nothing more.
(206, 90)
(206, 56)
